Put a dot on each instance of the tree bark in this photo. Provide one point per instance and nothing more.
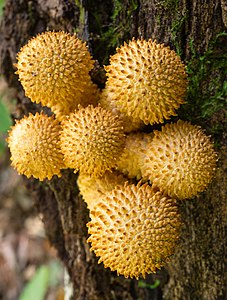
(195, 29)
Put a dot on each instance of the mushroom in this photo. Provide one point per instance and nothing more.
(134, 229)
(180, 160)
(129, 163)
(93, 188)
(89, 95)
(34, 146)
(146, 81)
(92, 139)
(130, 124)
(53, 68)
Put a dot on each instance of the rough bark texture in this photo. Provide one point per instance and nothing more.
(194, 29)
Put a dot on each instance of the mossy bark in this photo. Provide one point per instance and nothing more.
(195, 29)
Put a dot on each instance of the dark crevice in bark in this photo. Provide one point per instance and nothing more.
(46, 205)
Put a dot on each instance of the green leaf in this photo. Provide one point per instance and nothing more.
(36, 288)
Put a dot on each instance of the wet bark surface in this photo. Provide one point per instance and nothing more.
(196, 270)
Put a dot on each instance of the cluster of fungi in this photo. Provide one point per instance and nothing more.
(130, 178)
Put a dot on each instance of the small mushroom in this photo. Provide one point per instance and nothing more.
(34, 146)
(89, 95)
(92, 139)
(93, 188)
(130, 124)
(180, 160)
(132, 157)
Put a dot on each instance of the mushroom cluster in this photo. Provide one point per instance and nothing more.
(130, 179)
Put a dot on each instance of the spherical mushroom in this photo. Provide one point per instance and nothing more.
(93, 188)
(129, 163)
(146, 81)
(53, 68)
(130, 124)
(134, 229)
(34, 146)
(89, 95)
(180, 160)
(92, 139)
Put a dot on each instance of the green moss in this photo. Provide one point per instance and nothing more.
(207, 92)
(143, 284)
(169, 4)
(176, 29)
(81, 16)
(107, 38)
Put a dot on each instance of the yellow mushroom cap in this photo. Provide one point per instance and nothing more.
(146, 80)
(92, 139)
(134, 229)
(130, 124)
(34, 146)
(90, 96)
(93, 188)
(133, 155)
(53, 68)
(180, 160)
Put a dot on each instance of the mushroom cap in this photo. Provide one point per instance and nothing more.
(180, 160)
(130, 124)
(134, 229)
(34, 146)
(90, 96)
(133, 154)
(93, 188)
(92, 139)
(146, 81)
(53, 68)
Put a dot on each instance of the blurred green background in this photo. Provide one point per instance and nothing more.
(5, 119)
(1, 5)
(5, 123)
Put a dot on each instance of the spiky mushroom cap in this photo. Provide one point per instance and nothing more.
(134, 229)
(133, 155)
(93, 188)
(130, 124)
(92, 139)
(146, 80)
(53, 68)
(34, 146)
(180, 160)
(90, 96)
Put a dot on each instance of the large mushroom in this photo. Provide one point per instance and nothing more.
(134, 229)
(53, 68)
(145, 81)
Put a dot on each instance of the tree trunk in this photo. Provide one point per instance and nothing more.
(195, 29)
